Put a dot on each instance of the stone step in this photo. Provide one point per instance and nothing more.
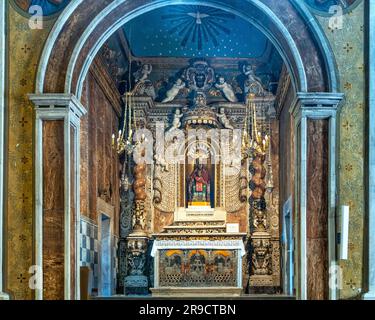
(195, 229)
(199, 223)
(243, 296)
(203, 235)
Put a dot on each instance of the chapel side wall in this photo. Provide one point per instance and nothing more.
(99, 160)
(286, 163)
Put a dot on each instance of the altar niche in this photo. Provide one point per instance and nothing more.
(200, 173)
(200, 184)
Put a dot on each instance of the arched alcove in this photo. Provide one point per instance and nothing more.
(81, 31)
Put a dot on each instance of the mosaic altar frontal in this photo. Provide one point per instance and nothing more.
(198, 263)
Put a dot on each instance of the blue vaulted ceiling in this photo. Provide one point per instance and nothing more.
(194, 31)
(171, 37)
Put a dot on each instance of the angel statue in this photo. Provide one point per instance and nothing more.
(253, 84)
(142, 74)
(224, 119)
(174, 91)
(144, 86)
(176, 124)
(161, 162)
(226, 89)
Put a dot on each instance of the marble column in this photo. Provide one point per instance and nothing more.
(3, 296)
(57, 194)
(370, 247)
(316, 149)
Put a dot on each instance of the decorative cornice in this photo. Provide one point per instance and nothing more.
(147, 111)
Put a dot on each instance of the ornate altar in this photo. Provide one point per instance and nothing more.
(205, 211)
(197, 256)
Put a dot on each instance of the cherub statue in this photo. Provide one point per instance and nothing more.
(173, 92)
(260, 220)
(159, 158)
(253, 84)
(144, 86)
(200, 100)
(226, 89)
(142, 74)
(161, 162)
(176, 124)
(249, 72)
(224, 119)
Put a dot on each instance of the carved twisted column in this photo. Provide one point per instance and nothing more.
(140, 197)
(126, 206)
(136, 281)
(261, 258)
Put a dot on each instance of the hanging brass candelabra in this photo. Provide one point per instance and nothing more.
(124, 141)
(253, 140)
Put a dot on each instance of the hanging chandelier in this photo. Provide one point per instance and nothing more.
(124, 141)
(254, 141)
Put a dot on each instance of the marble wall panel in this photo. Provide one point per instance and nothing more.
(53, 210)
(99, 160)
(317, 209)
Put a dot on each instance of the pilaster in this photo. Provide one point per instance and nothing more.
(57, 193)
(316, 149)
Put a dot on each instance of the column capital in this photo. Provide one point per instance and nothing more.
(57, 102)
(316, 105)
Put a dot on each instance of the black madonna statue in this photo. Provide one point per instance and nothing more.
(199, 186)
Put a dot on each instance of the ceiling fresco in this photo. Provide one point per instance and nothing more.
(194, 31)
(171, 37)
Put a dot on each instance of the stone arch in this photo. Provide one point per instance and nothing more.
(85, 25)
